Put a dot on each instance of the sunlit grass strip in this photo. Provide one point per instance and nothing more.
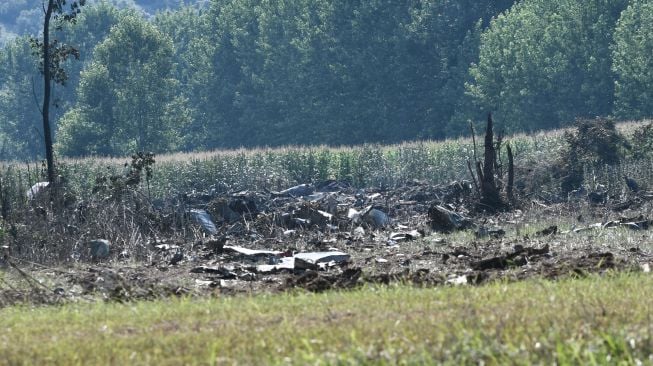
(589, 321)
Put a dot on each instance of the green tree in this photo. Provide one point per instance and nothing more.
(53, 54)
(632, 61)
(90, 28)
(127, 98)
(21, 88)
(188, 28)
(336, 72)
(225, 77)
(443, 41)
(544, 63)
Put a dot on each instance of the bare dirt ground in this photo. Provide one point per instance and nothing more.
(352, 237)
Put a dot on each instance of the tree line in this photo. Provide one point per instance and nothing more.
(339, 72)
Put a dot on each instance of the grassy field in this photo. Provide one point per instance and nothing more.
(279, 168)
(595, 320)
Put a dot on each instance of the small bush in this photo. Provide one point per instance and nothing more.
(642, 142)
(593, 143)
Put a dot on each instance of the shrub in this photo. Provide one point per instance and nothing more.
(593, 143)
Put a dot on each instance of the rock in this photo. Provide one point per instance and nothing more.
(99, 248)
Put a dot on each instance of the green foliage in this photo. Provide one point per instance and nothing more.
(642, 142)
(90, 28)
(127, 96)
(544, 63)
(632, 61)
(334, 72)
(593, 143)
(114, 186)
(244, 73)
(21, 88)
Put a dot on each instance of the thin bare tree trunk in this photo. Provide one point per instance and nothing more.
(49, 155)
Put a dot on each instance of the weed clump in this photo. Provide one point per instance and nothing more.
(642, 142)
(593, 142)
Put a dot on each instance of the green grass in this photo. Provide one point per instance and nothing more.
(362, 166)
(596, 320)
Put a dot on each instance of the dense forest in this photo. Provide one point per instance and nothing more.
(232, 73)
(21, 17)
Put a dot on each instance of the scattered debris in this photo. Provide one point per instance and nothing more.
(444, 220)
(285, 263)
(519, 257)
(296, 191)
(551, 230)
(320, 260)
(631, 184)
(176, 258)
(375, 217)
(458, 280)
(484, 232)
(36, 189)
(204, 219)
(405, 235)
(318, 281)
(332, 235)
(251, 252)
(598, 197)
